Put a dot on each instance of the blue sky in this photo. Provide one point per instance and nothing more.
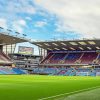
(49, 19)
(26, 16)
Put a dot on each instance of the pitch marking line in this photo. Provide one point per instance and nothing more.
(69, 93)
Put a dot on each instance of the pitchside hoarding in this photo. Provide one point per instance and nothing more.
(25, 50)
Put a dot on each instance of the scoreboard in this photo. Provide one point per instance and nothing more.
(26, 50)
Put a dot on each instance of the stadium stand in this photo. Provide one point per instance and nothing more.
(4, 58)
(9, 70)
(68, 71)
(88, 58)
(64, 58)
(7, 41)
(72, 57)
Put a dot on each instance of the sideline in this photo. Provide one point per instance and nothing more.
(69, 93)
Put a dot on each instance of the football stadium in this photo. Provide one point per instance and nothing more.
(38, 65)
(64, 70)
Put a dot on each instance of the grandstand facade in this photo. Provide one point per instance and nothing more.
(75, 57)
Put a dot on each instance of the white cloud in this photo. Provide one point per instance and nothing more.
(28, 18)
(3, 23)
(21, 6)
(17, 28)
(40, 23)
(13, 11)
(82, 16)
(18, 25)
(22, 22)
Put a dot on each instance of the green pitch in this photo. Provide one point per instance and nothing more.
(33, 87)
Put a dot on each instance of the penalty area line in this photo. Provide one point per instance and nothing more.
(69, 93)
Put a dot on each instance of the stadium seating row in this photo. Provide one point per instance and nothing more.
(4, 58)
(68, 71)
(72, 58)
(9, 70)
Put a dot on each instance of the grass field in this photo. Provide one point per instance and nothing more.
(33, 87)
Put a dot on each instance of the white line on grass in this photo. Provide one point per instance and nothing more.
(69, 93)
